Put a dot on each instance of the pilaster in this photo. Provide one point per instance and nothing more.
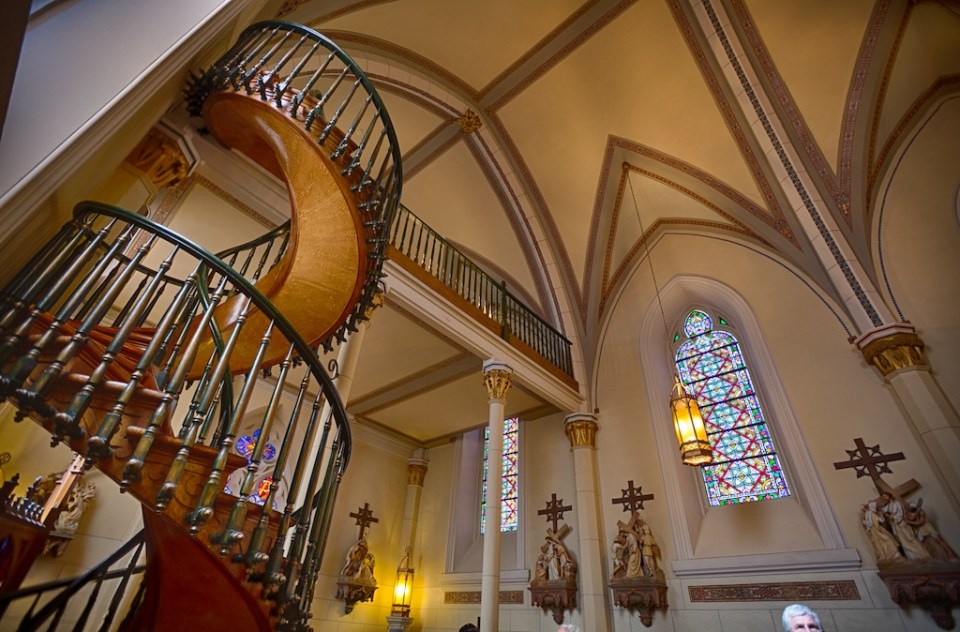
(897, 353)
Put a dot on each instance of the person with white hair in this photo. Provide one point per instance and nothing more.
(800, 618)
(568, 627)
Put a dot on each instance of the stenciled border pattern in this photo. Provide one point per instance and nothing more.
(787, 164)
(473, 597)
(840, 590)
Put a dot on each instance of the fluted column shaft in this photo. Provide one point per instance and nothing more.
(497, 377)
(581, 430)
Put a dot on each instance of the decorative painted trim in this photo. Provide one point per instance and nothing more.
(547, 223)
(608, 281)
(851, 110)
(410, 57)
(949, 83)
(727, 111)
(780, 90)
(226, 196)
(430, 102)
(787, 164)
(532, 75)
(884, 85)
(840, 590)
(922, 103)
(661, 224)
(530, 247)
(473, 597)
(427, 160)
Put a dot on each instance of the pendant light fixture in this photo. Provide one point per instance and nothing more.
(695, 448)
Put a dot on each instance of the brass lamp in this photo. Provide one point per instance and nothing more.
(695, 448)
(688, 422)
(403, 587)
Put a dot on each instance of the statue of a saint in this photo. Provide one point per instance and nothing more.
(884, 544)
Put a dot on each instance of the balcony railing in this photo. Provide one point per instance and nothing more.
(517, 322)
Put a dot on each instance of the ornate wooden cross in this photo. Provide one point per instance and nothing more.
(554, 511)
(632, 497)
(870, 461)
(364, 518)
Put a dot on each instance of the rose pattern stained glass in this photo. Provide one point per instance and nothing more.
(712, 367)
(509, 489)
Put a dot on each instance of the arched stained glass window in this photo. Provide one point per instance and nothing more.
(712, 367)
(509, 488)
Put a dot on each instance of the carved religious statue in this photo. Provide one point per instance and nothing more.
(356, 581)
(900, 532)
(637, 581)
(635, 551)
(554, 585)
(917, 565)
(67, 493)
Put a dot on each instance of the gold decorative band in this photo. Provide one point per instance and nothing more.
(896, 351)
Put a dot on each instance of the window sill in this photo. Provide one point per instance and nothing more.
(791, 562)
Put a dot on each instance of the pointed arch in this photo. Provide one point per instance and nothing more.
(713, 368)
(712, 539)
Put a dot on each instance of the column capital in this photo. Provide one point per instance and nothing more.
(416, 471)
(581, 430)
(497, 376)
(892, 348)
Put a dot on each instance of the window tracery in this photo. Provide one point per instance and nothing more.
(712, 367)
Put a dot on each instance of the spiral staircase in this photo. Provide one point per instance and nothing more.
(143, 351)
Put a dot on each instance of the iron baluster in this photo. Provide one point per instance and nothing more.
(305, 90)
(265, 80)
(214, 483)
(317, 110)
(232, 533)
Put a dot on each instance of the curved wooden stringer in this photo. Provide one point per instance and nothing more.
(150, 373)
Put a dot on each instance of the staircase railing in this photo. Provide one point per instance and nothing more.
(421, 244)
(50, 601)
(304, 74)
(125, 356)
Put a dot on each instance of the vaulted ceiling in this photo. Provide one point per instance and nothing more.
(607, 122)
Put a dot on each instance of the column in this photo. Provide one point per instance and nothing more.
(897, 352)
(416, 472)
(496, 376)
(581, 430)
(348, 356)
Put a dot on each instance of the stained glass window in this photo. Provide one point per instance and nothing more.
(712, 367)
(509, 489)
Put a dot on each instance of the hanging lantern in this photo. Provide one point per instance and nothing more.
(403, 588)
(691, 433)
